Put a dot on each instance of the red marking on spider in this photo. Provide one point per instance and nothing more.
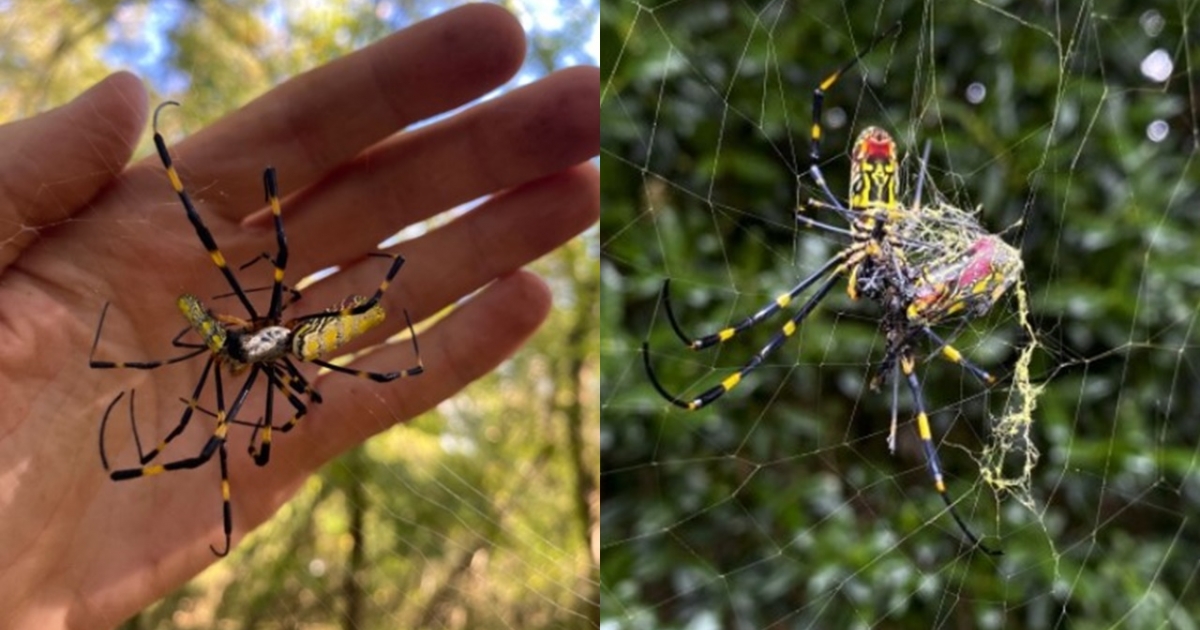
(877, 145)
(979, 261)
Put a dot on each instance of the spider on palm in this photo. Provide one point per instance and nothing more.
(924, 265)
(258, 345)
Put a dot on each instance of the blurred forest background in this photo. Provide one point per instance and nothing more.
(1074, 126)
(483, 514)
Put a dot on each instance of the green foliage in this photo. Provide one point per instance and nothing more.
(780, 506)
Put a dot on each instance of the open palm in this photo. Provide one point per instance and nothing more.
(79, 228)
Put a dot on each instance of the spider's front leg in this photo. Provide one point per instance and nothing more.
(202, 231)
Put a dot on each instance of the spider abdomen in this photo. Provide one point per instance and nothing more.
(333, 329)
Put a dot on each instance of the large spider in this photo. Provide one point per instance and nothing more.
(256, 345)
(925, 265)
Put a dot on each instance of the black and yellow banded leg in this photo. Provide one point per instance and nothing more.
(226, 506)
(952, 354)
(181, 426)
(294, 295)
(145, 457)
(287, 385)
(907, 366)
(222, 426)
(354, 308)
(206, 452)
(227, 510)
(707, 397)
(197, 350)
(271, 191)
(763, 314)
(193, 216)
(262, 430)
(397, 263)
(290, 382)
(818, 106)
(358, 307)
(296, 381)
(260, 438)
(214, 445)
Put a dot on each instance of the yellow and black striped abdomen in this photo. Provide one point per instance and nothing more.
(321, 335)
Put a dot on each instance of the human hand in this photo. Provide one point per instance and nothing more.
(81, 550)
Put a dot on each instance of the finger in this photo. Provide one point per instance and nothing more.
(53, 163)
(525, 135)
(466, 345)
(328, 115)
(494, 240)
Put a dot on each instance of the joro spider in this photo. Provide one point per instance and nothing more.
(925, 265)
(260, 344)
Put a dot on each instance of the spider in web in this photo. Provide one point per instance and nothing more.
(924, 265)
(258, 345)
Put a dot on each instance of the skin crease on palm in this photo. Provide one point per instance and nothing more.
(80, 226)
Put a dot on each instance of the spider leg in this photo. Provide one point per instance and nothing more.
(897, 240)
(226, 508)
(891, 440)
(271, 191)
(814, 152)
(814, 170)
(262, 454)
(231, 420)
(104, 423)
(397, 263)
(140, 365)
(712, 394)
(294, 295)
(764, 313)
(183, 421)
(214, 445)
(178, 341)
(807, 221)
(219, 435)
(193, 216)
(296, 381)
(144, 457)
(952, 354)
(931, 457)
(363, 307)
(206, 452)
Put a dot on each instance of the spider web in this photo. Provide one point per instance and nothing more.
(1069, 129)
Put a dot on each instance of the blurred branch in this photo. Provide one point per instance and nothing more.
(356, 504)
